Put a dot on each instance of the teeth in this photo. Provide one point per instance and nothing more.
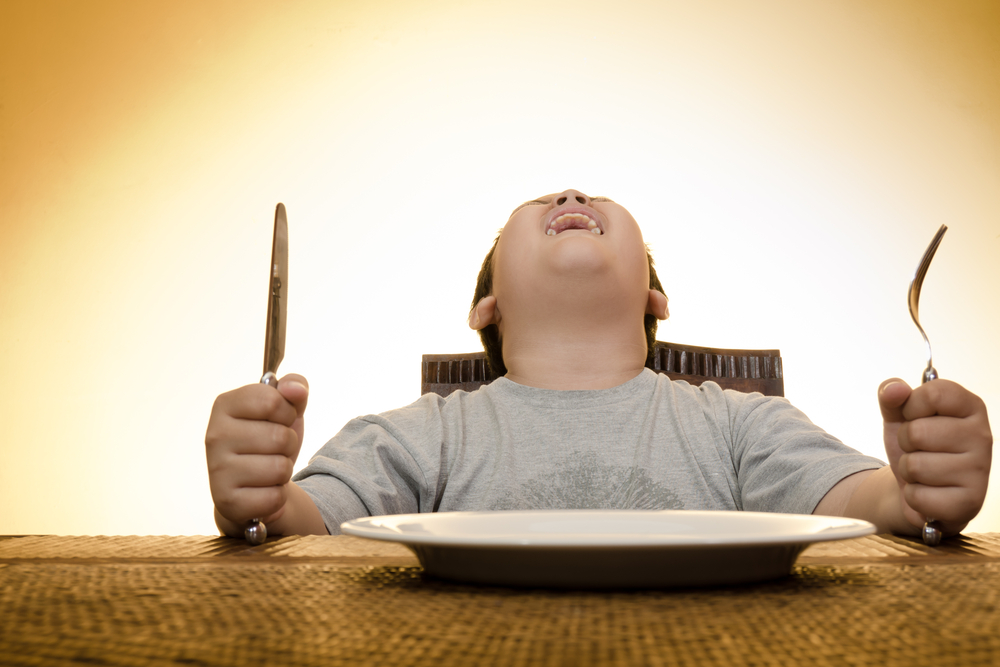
(574, 217)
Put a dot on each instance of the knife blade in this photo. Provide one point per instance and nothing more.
(277, 299)
(274, 337)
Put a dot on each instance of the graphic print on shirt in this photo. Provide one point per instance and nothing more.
(581, 481)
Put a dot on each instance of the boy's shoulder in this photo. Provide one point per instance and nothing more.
(648, 386)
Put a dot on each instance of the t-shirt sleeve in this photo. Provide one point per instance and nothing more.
(784, 462)
(376, 465)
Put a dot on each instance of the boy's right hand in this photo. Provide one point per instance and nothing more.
(253, 439)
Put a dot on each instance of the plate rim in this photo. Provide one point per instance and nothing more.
(843, 528)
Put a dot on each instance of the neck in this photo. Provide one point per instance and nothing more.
(591, 345)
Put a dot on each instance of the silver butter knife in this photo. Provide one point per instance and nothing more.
(274, 338)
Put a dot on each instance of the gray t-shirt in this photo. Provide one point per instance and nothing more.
(649, 443)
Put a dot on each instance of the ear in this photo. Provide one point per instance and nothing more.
(657, 305)
(485, 313)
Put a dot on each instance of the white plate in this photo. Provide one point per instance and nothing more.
(607, 548)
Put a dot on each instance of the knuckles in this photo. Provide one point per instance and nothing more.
(275, 470)
(254, 401)
(930, 397)
(284, 440)
(935, 392)
(215, 437)
(968, 434)
(918, 436)
(244, 504)
(270, 404)
(962, 509)
(955, 505)
(906, 469)
(262, 492)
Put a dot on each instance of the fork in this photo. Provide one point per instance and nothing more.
(932, 529)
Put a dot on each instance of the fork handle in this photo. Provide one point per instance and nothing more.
(931, 533)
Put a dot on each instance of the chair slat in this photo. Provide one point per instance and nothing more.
(742, 370)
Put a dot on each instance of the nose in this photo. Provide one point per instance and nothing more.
(570, 195)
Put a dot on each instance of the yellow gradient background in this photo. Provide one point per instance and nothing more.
(788, 162)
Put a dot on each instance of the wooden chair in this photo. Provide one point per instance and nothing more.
(742, 370)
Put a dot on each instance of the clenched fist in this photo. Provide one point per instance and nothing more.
(939, 444)
(251, 445)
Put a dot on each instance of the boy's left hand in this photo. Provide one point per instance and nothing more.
(939, 444)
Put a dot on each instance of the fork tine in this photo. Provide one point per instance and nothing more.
(925, 262)
(913, 296)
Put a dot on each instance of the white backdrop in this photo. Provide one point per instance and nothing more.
(788, 163)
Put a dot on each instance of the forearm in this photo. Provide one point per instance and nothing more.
(872, 495)
(299, 516)
(877, 499)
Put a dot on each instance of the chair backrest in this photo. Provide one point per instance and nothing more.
(742, 370)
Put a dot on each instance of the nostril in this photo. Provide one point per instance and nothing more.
(560, 201)
(581, 199)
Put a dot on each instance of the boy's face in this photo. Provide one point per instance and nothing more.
(566, 242)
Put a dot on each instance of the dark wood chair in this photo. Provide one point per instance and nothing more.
(742, 370)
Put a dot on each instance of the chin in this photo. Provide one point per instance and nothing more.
(580, 254)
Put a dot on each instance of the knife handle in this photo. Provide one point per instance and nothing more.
(256, 531)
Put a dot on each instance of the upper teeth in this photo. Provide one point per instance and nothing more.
(569, 218)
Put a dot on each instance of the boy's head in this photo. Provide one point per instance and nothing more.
(569, 251)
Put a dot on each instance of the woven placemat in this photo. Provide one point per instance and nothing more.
(347, 548)
(889, 548)
(196, 548)
(237, 606)
(313, 614)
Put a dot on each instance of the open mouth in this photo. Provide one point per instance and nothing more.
(573, 220)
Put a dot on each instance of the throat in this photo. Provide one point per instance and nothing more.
(568, 371)
(571, 357)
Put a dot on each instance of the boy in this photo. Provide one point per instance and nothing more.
(566, 305)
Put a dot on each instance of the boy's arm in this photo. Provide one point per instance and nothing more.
(872, 495)
(939, 444)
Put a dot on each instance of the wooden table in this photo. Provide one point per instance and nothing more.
(342, 600)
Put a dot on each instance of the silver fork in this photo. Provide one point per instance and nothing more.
(932, 529)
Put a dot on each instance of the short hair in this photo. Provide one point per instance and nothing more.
(490, 335)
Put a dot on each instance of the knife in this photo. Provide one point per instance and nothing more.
(274, 337)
